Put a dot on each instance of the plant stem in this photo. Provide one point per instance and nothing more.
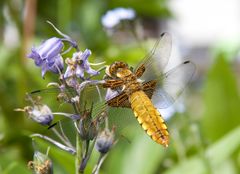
(78, 155)
(86, 157)
(59, 145)
(101, 159)
(62, 138)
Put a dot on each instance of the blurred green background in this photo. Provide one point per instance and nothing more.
(205, 132)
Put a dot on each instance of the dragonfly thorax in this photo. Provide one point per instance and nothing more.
(131, 83)
(131, 87)
(121, 71)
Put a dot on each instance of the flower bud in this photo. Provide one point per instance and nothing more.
(105, 141)
(41, 164)
(40, 114)
(87, 127)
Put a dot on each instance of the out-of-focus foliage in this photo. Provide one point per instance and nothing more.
(208, 143)
(213, 159)
(221, 99)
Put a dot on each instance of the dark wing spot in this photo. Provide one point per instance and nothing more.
(162, 34)
(186, 62)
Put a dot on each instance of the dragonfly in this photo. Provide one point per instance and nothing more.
(147, 87)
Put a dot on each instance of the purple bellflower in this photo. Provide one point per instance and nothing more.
(79, 64)
(40, 114)
(47, 55)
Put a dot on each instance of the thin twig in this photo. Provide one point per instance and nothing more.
(61, 137)
(63, 114)
(59, 145)
(64, 135)
(87, 155)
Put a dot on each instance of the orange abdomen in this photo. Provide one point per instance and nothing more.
(149, 117)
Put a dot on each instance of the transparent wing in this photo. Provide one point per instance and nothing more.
(89, 96)
(49, 96)
(172, 83)
(157, 59)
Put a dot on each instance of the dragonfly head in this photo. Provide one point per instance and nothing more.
(118, 69)
(123, 72)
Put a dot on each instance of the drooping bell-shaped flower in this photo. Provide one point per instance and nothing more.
(39, 113)
(47, 55)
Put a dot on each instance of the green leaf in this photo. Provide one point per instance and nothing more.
(222, 150)
(16, 167)
(215, 157)
(221, 101)
(143, 156)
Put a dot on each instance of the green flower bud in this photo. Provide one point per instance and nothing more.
(87, 127)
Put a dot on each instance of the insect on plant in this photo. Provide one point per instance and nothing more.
(143, 90)
(136, 88)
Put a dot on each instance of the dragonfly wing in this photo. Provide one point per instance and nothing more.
(149, 88)
(61, 100)
(157, 59)
(45, 91)
(120, 100)
(172, 83)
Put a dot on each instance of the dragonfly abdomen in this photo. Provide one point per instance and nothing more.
(149, 117)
